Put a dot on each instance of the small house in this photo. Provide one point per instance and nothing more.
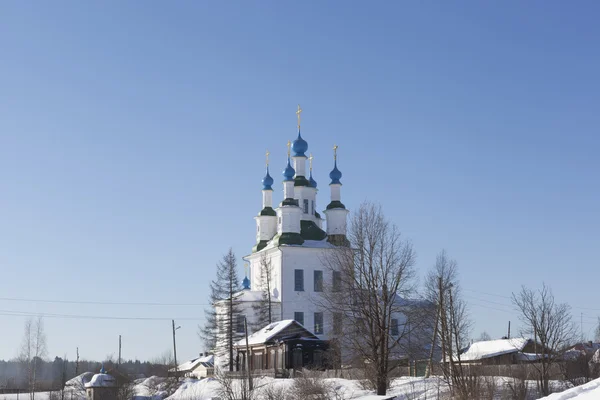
(500, 352)
(198, 368)
(102, 386)
(282, 345)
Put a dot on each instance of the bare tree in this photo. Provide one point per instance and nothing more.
(33, 350)
(551, 326)
(219, 332)
(264, 309)
(371, 282)
(484, 337)
(442, 288)
(597, 333)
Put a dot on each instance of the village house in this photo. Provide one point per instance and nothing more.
(500, 352)
(201, 367)
(282, 346)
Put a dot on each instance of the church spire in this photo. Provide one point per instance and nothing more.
(336, 212)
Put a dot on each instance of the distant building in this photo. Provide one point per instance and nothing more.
(500, 352)
(102, 386)
(198, 368)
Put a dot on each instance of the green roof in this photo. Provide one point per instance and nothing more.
(310, 231)
(301, 181)
(268, 211)
(335, 204)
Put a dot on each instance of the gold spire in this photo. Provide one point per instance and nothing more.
(310, 158)
(298, 114)
(335, 147)
(267, 156)
(289, 145)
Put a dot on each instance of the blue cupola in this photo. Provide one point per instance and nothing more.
(102, 370)
(246, 283)
(311, 181)
(335, 174)
(267, 181)
(288, 172)
(299, 146)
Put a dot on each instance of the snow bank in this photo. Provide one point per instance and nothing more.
(589, 391)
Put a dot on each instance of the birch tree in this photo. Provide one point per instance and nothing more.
(264, 309)
(370, 282)
(33, 350)
(550, 323)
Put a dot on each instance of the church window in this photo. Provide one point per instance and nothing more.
(337, 281)
(305, 202)
(239, 324)
(395, 330)
(299, 280)
(337, 323)
(318, 323)
(299, 317)
(318, 281)
(312, 207)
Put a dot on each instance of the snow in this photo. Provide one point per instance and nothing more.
(493, 348)
(101, 380)
(80, 380)
(588, 391)
(401, 388)
(268, 332)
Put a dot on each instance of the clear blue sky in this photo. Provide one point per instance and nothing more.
(132, 137)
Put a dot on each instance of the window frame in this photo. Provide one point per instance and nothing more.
(320, 280)
(298, 287)
(299, 313)
(318, 327)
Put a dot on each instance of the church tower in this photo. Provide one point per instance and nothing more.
(266, 220)
(336, 212)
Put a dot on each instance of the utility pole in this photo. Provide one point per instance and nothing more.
(435, 332)
(119, 363)
(508, 336)
(442, 319)
(77, 364)
(175, 350)
(248, 355)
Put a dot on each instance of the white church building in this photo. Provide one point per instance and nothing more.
(293, 237)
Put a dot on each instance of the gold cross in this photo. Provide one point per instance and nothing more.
(310, 158)
(298, 114)
(267, 154)
(335, 147)
(289, 144)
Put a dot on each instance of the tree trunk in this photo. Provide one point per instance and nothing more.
(381, 384)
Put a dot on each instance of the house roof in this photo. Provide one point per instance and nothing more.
(493, 348)
(270, 331)
(208, 362)
(101, 380)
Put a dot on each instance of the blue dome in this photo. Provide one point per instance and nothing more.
(246, 283)
(267, 181)
(299, 146)
(288, 172)
(335, 174)
(311, 181)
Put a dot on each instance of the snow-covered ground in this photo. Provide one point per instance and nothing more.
(589, 391)
(403, 388)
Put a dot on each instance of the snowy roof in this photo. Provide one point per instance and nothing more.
(80, 380)
(270, 331)
(493, 348)
(101, 380)
(207, 362)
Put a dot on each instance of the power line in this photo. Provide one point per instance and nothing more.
(110, 303)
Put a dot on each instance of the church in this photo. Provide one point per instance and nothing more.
(293, 238)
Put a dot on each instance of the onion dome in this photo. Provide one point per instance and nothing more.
(299, 146)
(246, 283)
(311, 181)
(267, 181)
(288, 172)
(335, 174)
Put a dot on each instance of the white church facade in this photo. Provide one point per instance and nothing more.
(293, 237)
